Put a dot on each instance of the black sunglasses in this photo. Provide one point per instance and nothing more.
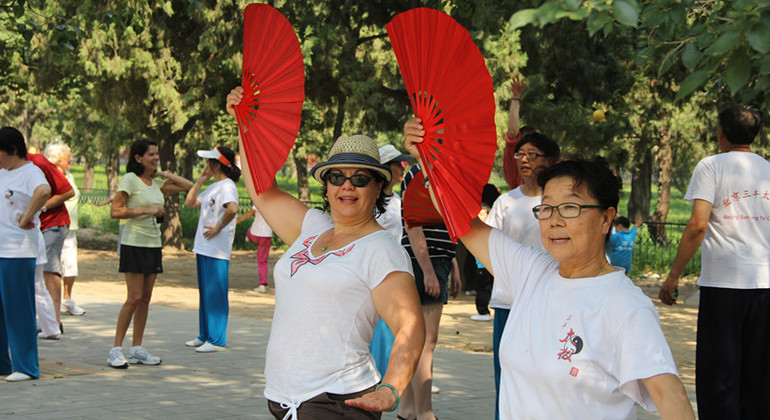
(358, 180)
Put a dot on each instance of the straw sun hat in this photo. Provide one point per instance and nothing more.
(357, 151)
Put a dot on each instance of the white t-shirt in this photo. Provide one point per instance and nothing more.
(736, 248)
(391, 219)
(17, 187)
(259, 226)
(213, 202)
(573, 348)
(512, 213)
(324, 316)
(72, 203)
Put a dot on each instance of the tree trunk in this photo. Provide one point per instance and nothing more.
(188, 163)
(665, 169)
(27, 121)
(340, 118)
(88, 175)
(112, 168)
(172, 222)
(303, 187)
(641, 183)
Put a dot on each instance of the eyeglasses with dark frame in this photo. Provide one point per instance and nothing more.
(358, 180)
(529, 155)
(566, 210)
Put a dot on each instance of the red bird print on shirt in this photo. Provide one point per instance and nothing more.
(303, 257)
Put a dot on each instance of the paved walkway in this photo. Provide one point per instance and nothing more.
(77, 383)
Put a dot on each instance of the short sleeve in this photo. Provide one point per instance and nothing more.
(703, 183)
(642, 352)
(127, 184)
(495, 217)
(230, 194)
(387, 257)
(515, 266)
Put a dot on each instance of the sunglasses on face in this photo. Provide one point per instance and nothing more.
(357, 180)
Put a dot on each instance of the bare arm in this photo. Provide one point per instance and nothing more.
(421, 254)
(477, 239)
(397, 303)
(175, 183)
(118, 209)
(245, 216)
(692, 237)
(283, 212)
(57, 200)
(669, 396)
(39, 197)
(191, 200)
(231, 209)
(517, 87)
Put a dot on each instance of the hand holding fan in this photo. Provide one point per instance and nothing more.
(451, 90)
(273, 80)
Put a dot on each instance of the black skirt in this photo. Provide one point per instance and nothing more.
(136, 259)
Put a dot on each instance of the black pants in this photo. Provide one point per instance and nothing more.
(484, 282)
(467, 264)
(327, 406)
(732, 360)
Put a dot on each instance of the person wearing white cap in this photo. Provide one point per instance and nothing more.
(140, 200)
(391, 218)
(213, 245)
(341, 273)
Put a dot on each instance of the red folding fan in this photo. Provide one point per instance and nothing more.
(273, 80)
(418, 207)
(451, 90)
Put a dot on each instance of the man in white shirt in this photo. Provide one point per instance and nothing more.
(730, 193)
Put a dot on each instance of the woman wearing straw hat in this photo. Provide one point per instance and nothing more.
(213, 245)
(341, 273)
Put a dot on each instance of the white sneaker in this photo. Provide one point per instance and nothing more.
(69, 307)
(434, 389)
(116, 359)
(208, 348)
(470, 293)
(48, 337)
(18, 377)
(139, 355)
(261, 289)
(194, 343)
(482, 318)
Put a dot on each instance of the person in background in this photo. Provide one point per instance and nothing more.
(484, 279)
(24, 192)
(511, 213)
(140, 200)
(513, 135)
(60, 155)
(581, 341)
(391, 219)
(432, 255)
(213, 245)
(54, 223)
(730, 194)
(622, 241)
(260, 234)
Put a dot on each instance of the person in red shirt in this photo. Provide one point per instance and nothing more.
(54, 223)
(513, 135)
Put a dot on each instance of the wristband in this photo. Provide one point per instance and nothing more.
(392, 388)
(43, 209)
(515, 99)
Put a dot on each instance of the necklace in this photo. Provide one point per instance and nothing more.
(605, 265)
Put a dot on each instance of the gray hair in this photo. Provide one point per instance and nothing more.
(54, 152)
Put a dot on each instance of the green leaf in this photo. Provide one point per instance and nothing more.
(597, 20)
(738, 71)
(626, 12)
(762, 83)
(522, 18)
(691, 83)
(691, 56)
(759, 36)
(580, 14)
(724, 43)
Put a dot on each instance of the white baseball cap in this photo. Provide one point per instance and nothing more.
(215, 154)
(389, 153)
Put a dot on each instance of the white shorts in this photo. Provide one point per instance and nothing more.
(69, 255)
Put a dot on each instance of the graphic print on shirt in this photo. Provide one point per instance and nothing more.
(571, 344)
(303, 257)
(211, 202)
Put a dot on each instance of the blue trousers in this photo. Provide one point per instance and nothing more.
(18, 332)
(501, 316)
(213, 285)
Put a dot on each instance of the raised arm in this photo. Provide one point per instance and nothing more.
(191, 201)
(283, 212)
(477, 239)
(175, 183)
(397, 303)
(517, 87)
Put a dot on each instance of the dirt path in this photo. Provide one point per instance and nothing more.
(177, 287)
